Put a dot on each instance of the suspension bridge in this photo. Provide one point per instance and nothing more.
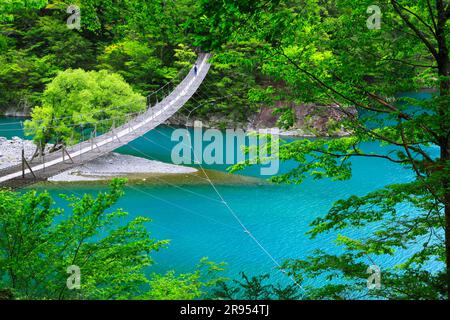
(40, 169)
(29, 172)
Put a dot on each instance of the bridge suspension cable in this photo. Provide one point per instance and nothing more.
(120, 135)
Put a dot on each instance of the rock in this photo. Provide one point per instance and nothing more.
(11, 151)
(22, 111)
(311, 120)
(16, 140)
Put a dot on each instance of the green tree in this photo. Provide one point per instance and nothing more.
(187, 286)
(137, 63)
(64, 48)
(76, 101)
(324, 52)
(9, 7)
(228, 88)
(137, 39)
(255, 288)
(23, 78)
(39, 241)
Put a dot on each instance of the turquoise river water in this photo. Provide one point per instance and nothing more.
(198, 225)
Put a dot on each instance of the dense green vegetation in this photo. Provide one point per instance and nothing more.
(305, 51)
(324, 52)
(39, 242)
(146, 42)
(76, 101)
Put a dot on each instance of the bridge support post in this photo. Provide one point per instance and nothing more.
(129, 123)
(25, 163)
(117, 137)
(35, 154)
(64, 152)
(92, 140)
(42, 157)
(133, 130)
(113, 132)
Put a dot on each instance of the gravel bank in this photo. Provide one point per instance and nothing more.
(11, 151)
(118, 165)
(104, 168)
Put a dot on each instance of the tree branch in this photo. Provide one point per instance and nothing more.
(410, 63)
(419, 33)
(433, 31)
(430, 10)
(413, 163)
(348, 155)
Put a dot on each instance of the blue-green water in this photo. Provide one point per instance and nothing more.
(11, 127)
(277, 215)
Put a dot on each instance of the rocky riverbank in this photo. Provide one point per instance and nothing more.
(104, 168)
(308, 120)
(11, 151)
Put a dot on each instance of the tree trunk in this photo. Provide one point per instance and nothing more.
(444, 91)
(447, 240)
(445, 157)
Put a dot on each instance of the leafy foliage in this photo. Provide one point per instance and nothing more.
(137, 63)
(77, 100)
(255, 288)
(9, 7)
(190, 286)
(39, 242)
(287, 117)
(324, 53)
(137, 39)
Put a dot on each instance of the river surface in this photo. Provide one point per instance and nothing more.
(199, 225)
